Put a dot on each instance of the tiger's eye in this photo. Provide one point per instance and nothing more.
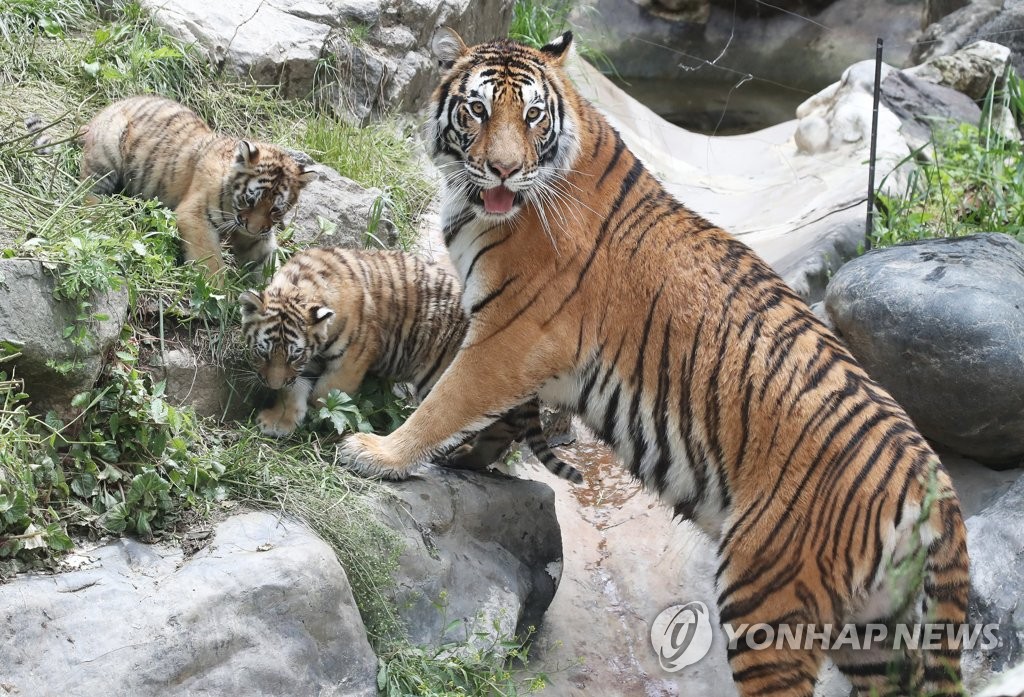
(532, 114)
(477, 108)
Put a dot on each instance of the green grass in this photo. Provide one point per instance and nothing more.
(536, 22)
(125, 459)
(379, 155)
(967, 180)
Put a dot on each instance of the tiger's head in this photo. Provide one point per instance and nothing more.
(265, 184)
(282, 334)
(503, 129)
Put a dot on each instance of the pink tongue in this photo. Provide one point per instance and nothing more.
(498, 200)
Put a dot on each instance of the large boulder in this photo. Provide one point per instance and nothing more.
(995, 540)
(971, 70)
(924, 107)
(265, 609)
(269, 43)
(53, 367)
(365, 57)
(336, 211)
(939, 323)
(484, 546)
(1000, 21)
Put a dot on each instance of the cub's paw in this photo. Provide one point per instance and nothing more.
(277, 423)
(369, 456)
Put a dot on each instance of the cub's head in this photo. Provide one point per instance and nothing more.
(265, 184)
(282, 334)
(503, 123)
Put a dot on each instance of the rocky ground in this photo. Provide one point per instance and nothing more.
(265, 607)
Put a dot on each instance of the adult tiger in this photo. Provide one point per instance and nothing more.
(716, 385)
(157, 148)
(331, 315)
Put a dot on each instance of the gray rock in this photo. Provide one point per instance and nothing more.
(977, 486)
(924, 107)
(390, 67)
(265, 609)
(362, 57)
(995, 541)
(955, 30)
(336, 211)
(31, 319)
(971, 70)
(940, 323)
(1010, 684)
(211, 390)
(486, 542)
(267, 42)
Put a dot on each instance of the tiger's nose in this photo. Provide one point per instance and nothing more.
(504, 170)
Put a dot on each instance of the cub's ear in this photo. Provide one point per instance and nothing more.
(307, 175)
(246, 155)
(319, 313)
(559, 48)
(251, 303)
(448, 47)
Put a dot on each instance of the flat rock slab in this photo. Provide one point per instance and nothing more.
(265, 609)
(940, 324)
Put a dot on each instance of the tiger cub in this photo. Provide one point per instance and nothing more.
(153, 147)
(589, 284)
(329, 316)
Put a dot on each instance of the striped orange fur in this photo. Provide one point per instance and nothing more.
(329, 316)
(153, 147)
(587, 283)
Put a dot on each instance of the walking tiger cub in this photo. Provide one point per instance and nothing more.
(588, 284)
(329, 316)
(153, 147)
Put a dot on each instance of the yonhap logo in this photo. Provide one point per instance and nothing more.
(681, 635)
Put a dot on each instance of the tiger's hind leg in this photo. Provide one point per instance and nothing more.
(761, 595)
(873, 667)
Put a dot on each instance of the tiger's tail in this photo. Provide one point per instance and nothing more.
(946, 589)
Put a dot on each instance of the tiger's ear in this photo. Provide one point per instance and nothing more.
(246, 155)
(448, 46)
(319, 313)
(559, 48)
(307, 176)
(251, 303)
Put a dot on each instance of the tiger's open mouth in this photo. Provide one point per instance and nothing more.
(500, 200)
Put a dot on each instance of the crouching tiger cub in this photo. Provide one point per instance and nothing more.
(329, 316)
(587, 283)
(156, 148)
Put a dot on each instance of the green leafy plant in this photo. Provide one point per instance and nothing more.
(968, 179)
(374, 409)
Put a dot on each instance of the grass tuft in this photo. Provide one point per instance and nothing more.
(966, 180)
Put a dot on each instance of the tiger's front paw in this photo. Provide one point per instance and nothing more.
(370, 456)
(277, 422)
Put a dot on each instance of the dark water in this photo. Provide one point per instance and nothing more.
(716, 109)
